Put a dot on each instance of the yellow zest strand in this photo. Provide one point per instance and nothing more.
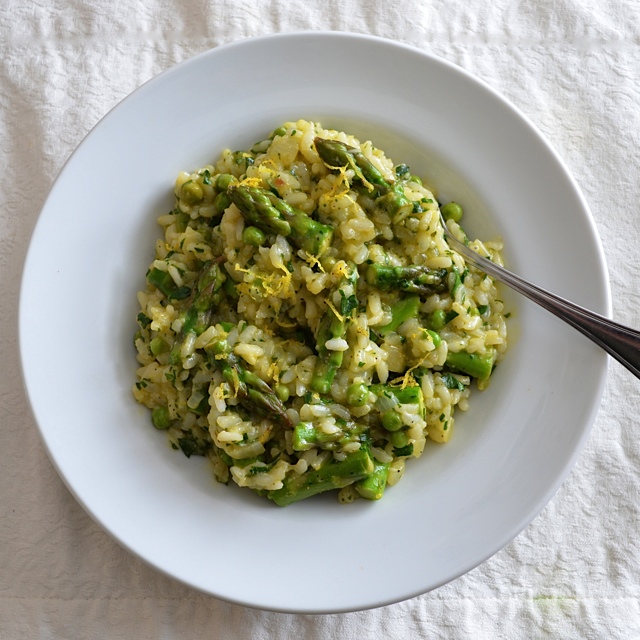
(335, 311)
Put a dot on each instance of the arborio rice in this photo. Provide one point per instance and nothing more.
(305, 325)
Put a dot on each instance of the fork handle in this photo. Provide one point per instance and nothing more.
(620, 342)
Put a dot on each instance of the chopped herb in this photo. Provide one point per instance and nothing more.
(483, 308)
(402, 170)
(141, 384)
(143, 320)
(188, 445)
(347, 304)
(449, 316)
(403, 451)
(206, 177)
(441, 417)
(451, 382)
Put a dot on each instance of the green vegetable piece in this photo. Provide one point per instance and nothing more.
(224, 181)
(406, 395)
(372, 487)
(404, 451)
(282, 391)
(414, 278)
(252, 392)
(253, 236)
(162, 280)
(220, 203)
(279, 132)
(388, 195)
(473, 364)
(332, 327)
(357, 394)
(158, 345)
(452, 211)
(263, 209)
(191, 193)
(143, 320)
(189, 446)
(304, 437)
(333, 474)
(391, 420)
(182, 221)
(451, 382)
(400, 312)
(399, 439)
(207, 294)
(437, 319)
(160, 417)
(435, 337)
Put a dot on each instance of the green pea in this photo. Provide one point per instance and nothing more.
(158, 346)
(438, 319)
(280, 131)
(282, 391)
(452, 211)
(253, 236)
(392, 421)
(192, 192)
(399, 439)
(221, 202)
(160, 417)
(435, 337)
(357, 394)
(223, 181)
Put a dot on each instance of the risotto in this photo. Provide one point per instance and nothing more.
(305, 325)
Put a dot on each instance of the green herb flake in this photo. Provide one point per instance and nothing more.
(188, 445)
(451, 382)
(449, 316)
(347, 304)
(143, 320)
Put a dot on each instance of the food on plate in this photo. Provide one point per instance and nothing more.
(305, 324)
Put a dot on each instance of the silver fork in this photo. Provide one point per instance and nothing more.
(621, 342)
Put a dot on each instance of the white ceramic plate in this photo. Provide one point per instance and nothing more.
(459, 503)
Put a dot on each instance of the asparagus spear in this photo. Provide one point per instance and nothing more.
(414, 278)
(307, 435)
(401, 311)
(271, 214)
(333, 474)
(473, 364)
(253, 393)
(205, 295)
(372, 487)
(389, 195)
(332, 327)
(389, 397)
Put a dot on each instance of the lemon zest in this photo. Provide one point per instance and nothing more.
(335, 311)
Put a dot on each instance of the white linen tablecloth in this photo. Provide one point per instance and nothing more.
(571, 66)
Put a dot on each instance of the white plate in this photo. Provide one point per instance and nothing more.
(459, 503)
